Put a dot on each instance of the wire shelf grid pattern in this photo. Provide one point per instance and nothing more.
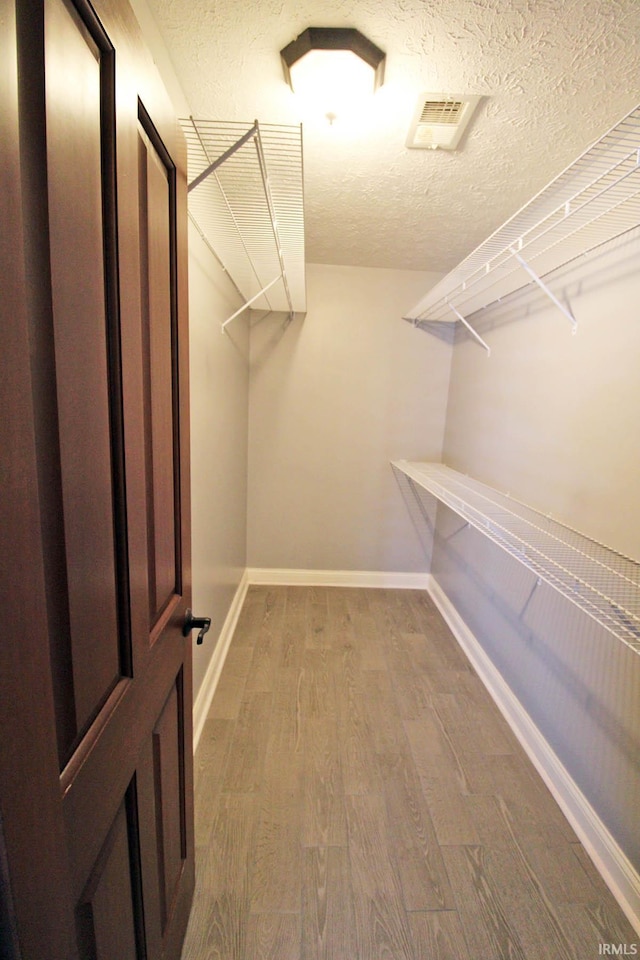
(593, 201)
(601, 582)
(250, 208)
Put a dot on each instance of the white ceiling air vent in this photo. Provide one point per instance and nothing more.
(439, 120)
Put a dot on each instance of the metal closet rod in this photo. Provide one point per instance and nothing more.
(252, 300)
(225, 156)
(252, 134)
(522, 241)
(211, 169)
(593, 201)
(534, 276)
(244, 246)
(272, 214)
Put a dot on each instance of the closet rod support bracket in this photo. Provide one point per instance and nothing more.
(473, 333)
(249, 302)
(543, 286)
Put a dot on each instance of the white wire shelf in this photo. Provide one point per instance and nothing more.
(602, 583)
(246, 200)
(593, 201)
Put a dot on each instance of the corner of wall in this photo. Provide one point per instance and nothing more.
(154, 41)
(210, 681)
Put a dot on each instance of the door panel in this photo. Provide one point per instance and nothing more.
(34, 887)
(157, 276)
(76, 72)
(106, 919)
(170, 812)
(105, 676)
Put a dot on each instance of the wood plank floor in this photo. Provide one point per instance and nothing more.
(359, 797)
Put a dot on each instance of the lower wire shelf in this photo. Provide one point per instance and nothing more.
(601, 582)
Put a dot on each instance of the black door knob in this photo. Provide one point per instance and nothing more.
(195, 623)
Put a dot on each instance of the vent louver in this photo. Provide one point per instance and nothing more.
(439, 121)
(441, 111)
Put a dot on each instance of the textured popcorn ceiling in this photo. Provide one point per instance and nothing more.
(554, 76)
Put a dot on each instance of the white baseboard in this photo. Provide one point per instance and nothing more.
(211, 677)
(611, 862)
(338, 578)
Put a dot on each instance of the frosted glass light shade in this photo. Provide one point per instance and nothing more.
(332, 80)
(333, 67)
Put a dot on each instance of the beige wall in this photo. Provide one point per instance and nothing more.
(219, 369)
(553, 418)
(333, 398)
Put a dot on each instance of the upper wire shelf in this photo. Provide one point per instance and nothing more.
(601, 582)
(246, 200)
(593, 201)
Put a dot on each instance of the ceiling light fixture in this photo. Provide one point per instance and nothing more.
(333, 67)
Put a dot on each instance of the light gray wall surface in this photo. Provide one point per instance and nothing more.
(579, 685)
(553, 419)
(219, 370)
(333, 398)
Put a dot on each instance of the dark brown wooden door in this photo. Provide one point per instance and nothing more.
(96, 796)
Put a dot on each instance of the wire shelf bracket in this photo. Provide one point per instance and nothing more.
(225, 156)
(599, 581)
(246, 200)
(543, 286)
(249, 302)
(594, 201)
(473, 332)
